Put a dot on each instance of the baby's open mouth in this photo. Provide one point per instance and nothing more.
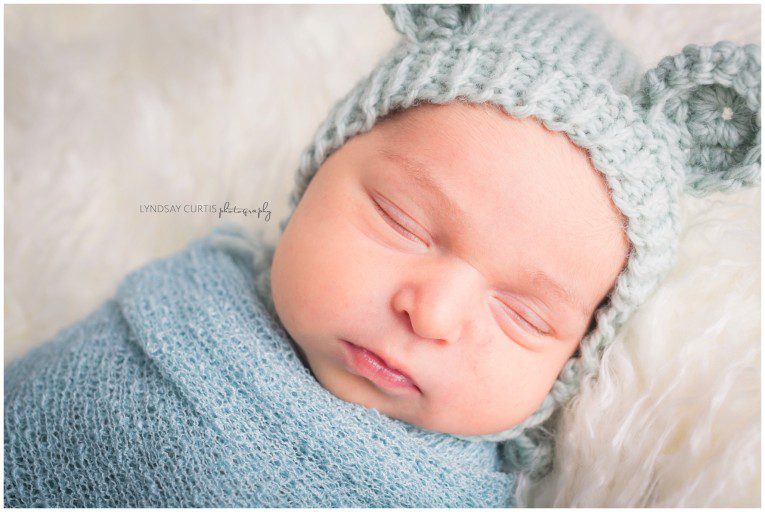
(372, 367)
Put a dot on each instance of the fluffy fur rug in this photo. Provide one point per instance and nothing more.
(113, 108)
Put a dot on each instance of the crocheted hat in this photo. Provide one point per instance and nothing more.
(691, 124)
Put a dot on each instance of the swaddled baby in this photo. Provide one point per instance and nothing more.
(388, 283)
(471, 225)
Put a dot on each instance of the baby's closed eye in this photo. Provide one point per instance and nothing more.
(397, 220)
(525, 317)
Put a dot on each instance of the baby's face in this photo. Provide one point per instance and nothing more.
(442, 267)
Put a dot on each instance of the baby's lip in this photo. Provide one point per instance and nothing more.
(385, 360)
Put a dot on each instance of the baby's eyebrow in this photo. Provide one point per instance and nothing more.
(419, 172)
(539, 277)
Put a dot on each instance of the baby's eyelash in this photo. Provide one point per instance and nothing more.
(395, 225)
(527, 325)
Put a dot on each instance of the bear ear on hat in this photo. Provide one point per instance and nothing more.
(420, 22)
(705, 101)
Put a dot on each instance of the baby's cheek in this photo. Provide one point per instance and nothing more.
(491, 388)
(324, 287)
(459, 392)
(287, 282)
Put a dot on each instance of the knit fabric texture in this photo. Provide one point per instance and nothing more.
(184, 391)
(691, 124)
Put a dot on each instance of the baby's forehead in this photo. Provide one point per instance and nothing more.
(483, 142)
(466, 131)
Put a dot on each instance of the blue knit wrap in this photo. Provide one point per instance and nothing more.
(184, 390)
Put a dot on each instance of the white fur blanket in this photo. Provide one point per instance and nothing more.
(112, 108)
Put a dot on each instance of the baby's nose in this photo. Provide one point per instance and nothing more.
(439, 299)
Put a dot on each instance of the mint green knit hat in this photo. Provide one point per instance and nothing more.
(692, 124)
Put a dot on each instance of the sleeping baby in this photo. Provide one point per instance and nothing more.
(470, 227)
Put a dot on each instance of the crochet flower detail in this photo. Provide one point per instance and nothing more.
(705, 102)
